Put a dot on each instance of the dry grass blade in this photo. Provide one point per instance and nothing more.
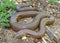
(51, 34)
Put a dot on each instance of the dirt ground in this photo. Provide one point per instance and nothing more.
(7, 35)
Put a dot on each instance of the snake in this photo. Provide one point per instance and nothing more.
(39, 19)
(32, 25)
(26, 7)
(40, 33)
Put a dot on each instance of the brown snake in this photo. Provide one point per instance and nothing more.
(38, 34)
(32, 25)
(40, 18)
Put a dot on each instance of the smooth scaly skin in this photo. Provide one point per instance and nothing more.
(38, 34)
(32, 25)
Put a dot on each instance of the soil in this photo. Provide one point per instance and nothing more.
(7, 34)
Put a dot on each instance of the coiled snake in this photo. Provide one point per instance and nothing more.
(40, 18)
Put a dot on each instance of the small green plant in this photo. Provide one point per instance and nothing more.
(4, 14)
(53, 1)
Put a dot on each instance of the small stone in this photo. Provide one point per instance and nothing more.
(24, 38)
(39, 42)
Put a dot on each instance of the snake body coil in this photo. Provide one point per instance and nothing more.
(16, 26)
(40, 18)
(38, 34)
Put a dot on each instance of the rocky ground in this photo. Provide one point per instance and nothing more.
(7, 35)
